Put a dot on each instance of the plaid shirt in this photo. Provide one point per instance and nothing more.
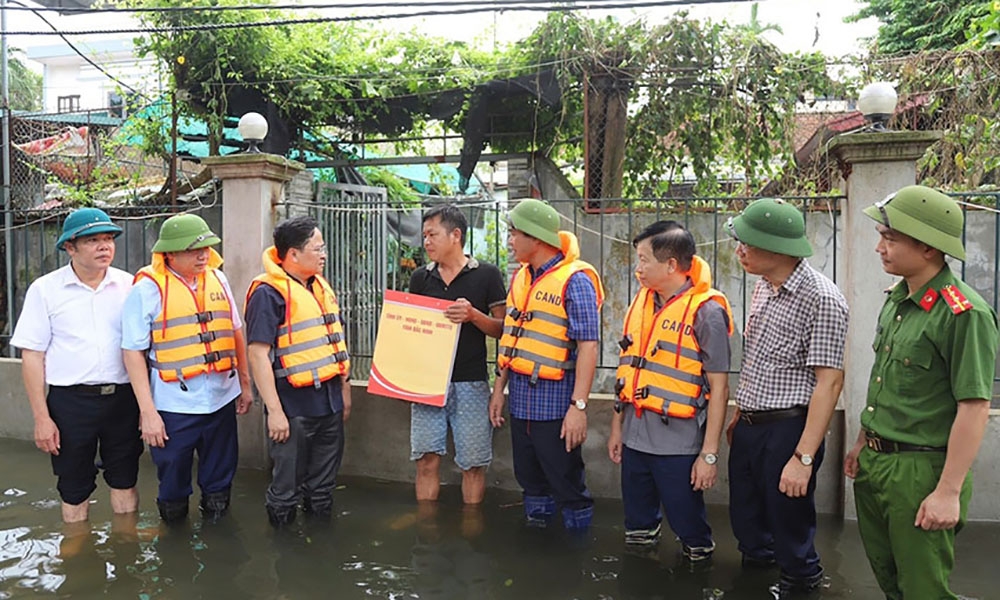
(548, 400)
(789, 332)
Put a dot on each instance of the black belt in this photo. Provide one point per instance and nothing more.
(884, 446)
(100, 389)
(757, 417)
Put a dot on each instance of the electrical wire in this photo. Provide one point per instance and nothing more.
(592, 5)
(497, 4)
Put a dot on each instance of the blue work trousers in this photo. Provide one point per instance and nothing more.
(649, 481)
(212, 437)
(767, 523)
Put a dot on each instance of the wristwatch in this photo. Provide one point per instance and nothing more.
(710, 458)
(580, 403)
(805, 459)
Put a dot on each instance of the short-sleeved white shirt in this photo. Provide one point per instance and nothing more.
(77, 327)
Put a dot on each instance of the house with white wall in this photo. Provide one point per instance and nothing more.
(71, 83)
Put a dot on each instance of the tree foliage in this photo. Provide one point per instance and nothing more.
(25, 85)
(316, 74)
(707, 101)
(910, 26)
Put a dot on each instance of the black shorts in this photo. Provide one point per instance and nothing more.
(90, 421)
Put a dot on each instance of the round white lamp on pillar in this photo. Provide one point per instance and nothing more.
(253, 129)
(877, 102)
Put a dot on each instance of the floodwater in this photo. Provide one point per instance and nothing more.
(381, 545)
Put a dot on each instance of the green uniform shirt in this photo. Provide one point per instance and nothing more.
(927, 358)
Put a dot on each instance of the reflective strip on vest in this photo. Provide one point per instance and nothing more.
(653, 367)
(668, 396)
(537, 314)
(202, 317)
(565, 365)
(520, 332)
(204, 359)
(310, 366)
(326, 340)
(324, 320)
(685, 352)
(201, 338)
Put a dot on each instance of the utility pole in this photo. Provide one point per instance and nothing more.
(8, 217)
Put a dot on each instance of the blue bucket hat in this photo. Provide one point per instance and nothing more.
(86, 221)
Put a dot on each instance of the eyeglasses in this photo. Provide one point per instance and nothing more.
(316, 249)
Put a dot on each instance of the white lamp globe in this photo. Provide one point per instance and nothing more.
(877, 101)
(252, 126)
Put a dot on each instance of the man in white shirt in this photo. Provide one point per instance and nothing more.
(69, 333)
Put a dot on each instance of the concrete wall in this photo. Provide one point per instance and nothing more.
(378, 442)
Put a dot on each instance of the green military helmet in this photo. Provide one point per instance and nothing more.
(86, 221)
(185, 232)
(774, 225)
(537, 219)
(925, 215)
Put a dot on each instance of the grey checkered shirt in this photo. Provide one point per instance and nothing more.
(789, 332)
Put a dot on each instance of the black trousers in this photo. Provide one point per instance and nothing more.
(544, 468)
(306, 464)
(767, 523)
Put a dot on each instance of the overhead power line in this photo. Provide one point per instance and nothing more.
(571, 4)
(469, 8)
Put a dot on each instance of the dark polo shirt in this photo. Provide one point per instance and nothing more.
(482, 285)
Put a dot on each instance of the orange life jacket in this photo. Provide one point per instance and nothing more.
(535, 340)
(310, 343)
(193, 334)
(659, 367)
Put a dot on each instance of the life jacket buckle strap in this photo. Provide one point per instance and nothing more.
(626, 342)
(517, 331)
(212, 357)
(641, 393)
(204, 317)
(618, 406)
(329, 319)
(639, 362)
(619, 385)
(527, 316)
(208, 336)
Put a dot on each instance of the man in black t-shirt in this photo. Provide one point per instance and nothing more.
(478, 292)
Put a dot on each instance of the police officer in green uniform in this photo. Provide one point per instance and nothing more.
(928, 399)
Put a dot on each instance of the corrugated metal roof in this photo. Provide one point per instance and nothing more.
(65, 3)
(90, 117)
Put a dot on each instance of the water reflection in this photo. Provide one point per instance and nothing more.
(382, 544)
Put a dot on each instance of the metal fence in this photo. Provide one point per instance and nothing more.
(605, 229)
(32, 250)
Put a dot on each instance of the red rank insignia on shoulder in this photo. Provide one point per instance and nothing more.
(957, 302)
(927, 302)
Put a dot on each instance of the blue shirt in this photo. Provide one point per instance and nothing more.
(206, 393)
(548, 400)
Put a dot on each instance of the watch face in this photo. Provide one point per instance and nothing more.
(711, 458)
(581, 404)
(806, 460)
